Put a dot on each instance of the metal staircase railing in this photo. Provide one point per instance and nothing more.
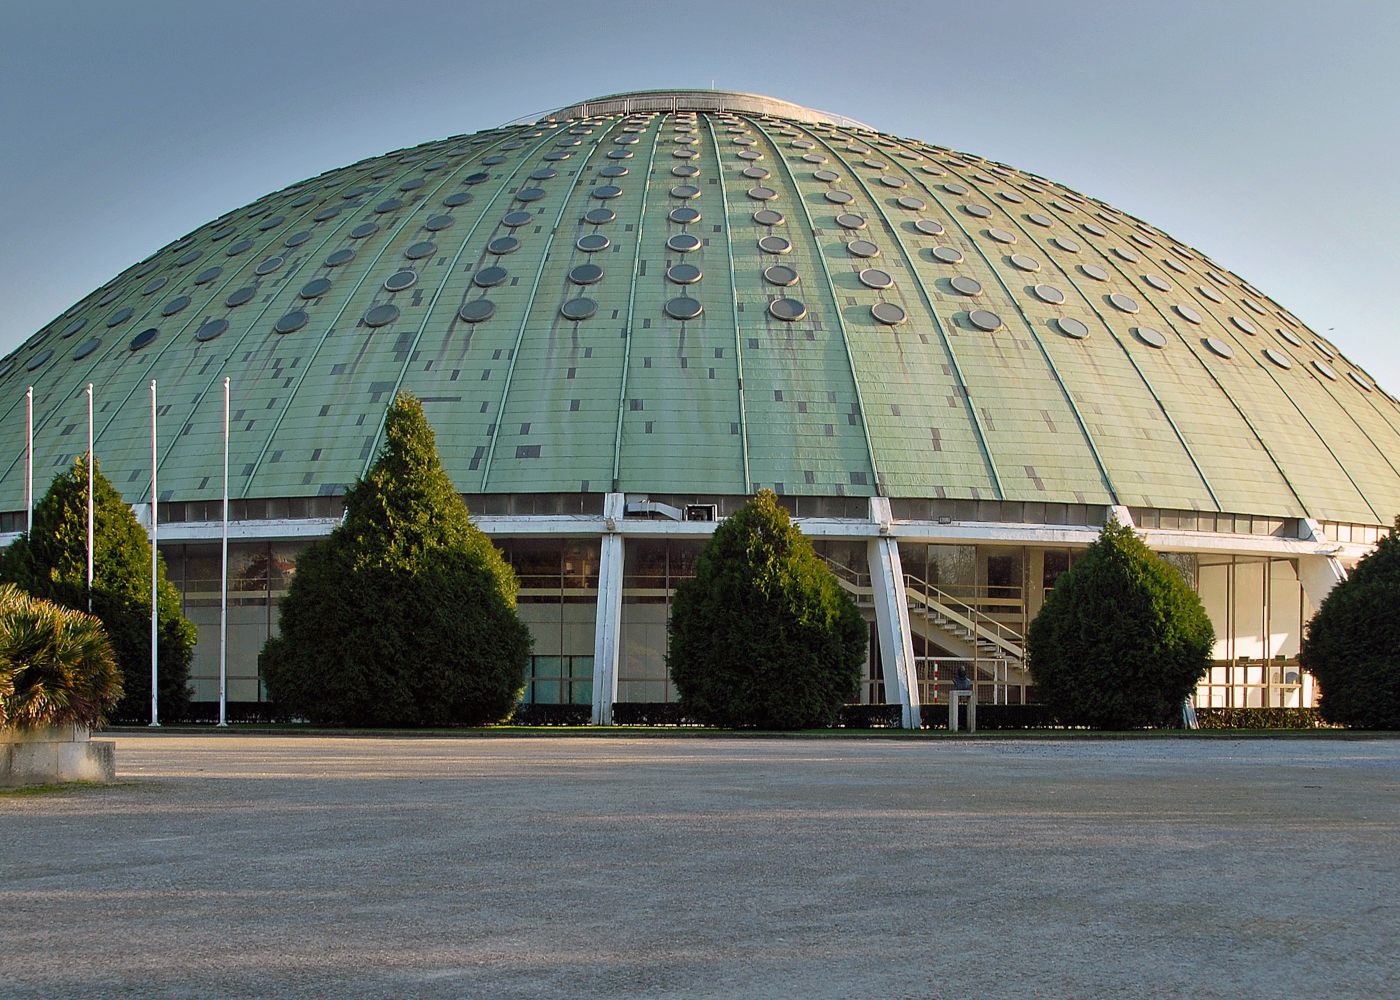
(963, 619)
(948, 612)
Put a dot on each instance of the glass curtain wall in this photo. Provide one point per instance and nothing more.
(559, 602)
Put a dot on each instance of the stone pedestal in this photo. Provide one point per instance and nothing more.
(969, 698)
(54, 754)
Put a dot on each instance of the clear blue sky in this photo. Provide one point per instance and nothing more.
(1263, 133)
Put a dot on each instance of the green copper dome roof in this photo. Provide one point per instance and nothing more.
(696, 291)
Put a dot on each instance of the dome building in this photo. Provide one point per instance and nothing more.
(626, 317)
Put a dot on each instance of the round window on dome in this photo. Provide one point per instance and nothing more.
(888, 313)
(477, 311)
(212, 329)
(396, 282)
(381, 315)
(1071, 327)
(1151, 336)
(873, 277)
(291, 322)
(984, 320)
(787, 310)
(683, 307)
(578, 309)
(684, 243)
(780, 274)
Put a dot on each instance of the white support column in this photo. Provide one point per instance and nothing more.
(892, 618)
(607, 635)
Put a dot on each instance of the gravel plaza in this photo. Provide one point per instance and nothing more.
(246, 864)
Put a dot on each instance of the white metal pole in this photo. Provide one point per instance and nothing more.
(91, 461)
(223, 584)
(29, 459)
(155, 577)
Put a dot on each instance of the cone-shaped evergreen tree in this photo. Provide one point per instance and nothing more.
(51, 562)
(1352, 644)
(763, 635)
(1121, 640)
(405, 614)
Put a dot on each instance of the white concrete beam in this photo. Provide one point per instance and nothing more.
(607, 634)
(892, 618)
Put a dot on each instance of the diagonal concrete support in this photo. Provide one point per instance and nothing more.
(1318, 573)
(607, 634)
(892, 618)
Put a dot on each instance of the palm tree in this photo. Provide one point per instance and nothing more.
(56, 665)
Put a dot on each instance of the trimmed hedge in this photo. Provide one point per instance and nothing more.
(650, 713)
(551, 715)
(993, 717)
(1260, 718)
(869, 717)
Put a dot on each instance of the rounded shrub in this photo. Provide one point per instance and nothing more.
(1121, 640)
(763, 636)
(1352, 645)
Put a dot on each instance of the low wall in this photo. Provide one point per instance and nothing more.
(54, 754)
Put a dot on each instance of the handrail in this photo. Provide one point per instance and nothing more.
(979, 623)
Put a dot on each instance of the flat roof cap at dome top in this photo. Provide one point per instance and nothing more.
(702, 100)
(700, 301)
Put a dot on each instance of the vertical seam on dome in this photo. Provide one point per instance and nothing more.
(1030, 328)
(631, 307)
(346, 219)
(1327, 446)
(529, 304)
(364, 276)
(1166, 319)
(1054, 261)
(437, 293)
(963, 389)
(878, 483)
(749, 484)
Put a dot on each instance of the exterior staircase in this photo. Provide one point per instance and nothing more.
(942, 611)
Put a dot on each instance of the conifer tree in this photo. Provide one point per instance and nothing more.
(763, 635)
(1352, 644)
(50, 562)
(1121, 640)
(404, 615)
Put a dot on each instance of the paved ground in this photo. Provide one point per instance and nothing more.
(298, 866)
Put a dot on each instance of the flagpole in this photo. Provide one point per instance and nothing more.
(223, 581)
(91, 461)
(155, 573)
(29, 459)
